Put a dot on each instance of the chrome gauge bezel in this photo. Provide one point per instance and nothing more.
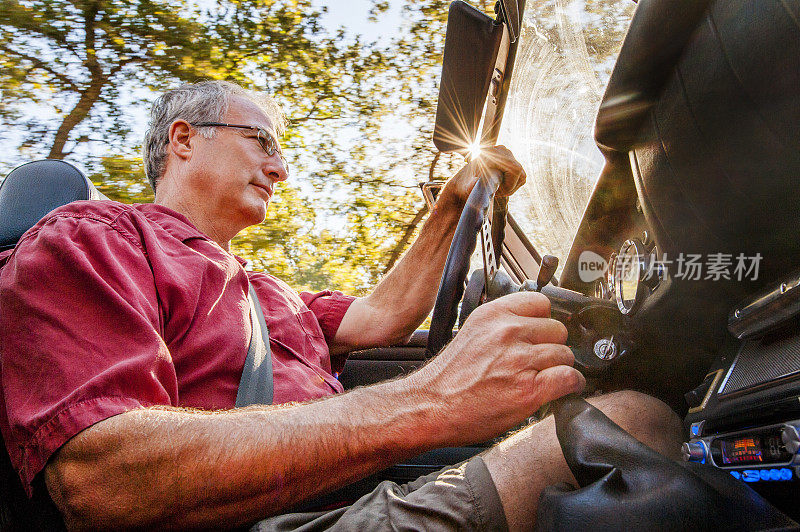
(629, 305)
(610, 282)
(601, 289)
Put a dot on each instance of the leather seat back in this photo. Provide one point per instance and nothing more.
(32, 190)
(27, 194)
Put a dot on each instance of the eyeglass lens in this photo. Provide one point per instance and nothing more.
(270, 146)
(267, 142)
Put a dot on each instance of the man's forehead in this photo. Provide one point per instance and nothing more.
(243, 111)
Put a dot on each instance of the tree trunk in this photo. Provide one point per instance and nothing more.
(90, 94)
(89, 97)
(403, 242)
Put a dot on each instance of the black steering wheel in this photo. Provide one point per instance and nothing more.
(451, 287)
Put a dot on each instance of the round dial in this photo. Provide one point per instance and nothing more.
(629, 268)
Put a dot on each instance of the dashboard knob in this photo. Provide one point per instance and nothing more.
(547, 269)
(790, 438)
(693, 452)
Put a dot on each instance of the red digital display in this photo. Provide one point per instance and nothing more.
(742, 451)
(764, 447)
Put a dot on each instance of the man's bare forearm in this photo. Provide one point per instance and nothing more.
(405, 296)
(176, 468)
(179, 468)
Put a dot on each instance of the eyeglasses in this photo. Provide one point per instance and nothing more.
(264, 138)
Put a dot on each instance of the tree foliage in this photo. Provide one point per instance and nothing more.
(78, 58)
(76, 77)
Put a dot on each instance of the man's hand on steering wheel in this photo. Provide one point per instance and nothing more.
(497, 157)
(495, 171)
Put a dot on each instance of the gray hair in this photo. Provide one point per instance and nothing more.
(206, 101)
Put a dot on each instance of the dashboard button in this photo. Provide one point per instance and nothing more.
(751, 475)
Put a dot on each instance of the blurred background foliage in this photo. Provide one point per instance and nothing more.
(74, 74)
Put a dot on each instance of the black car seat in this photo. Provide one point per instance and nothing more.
(28, 193)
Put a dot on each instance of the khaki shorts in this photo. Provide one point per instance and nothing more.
(462, 497)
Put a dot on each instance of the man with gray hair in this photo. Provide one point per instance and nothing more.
(123, 402)
(196, 103)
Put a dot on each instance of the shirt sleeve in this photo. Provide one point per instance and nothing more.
(329, 307)
(80, 319)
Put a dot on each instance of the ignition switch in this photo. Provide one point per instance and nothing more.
(605, 349)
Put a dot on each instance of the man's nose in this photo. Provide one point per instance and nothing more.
(278, 169)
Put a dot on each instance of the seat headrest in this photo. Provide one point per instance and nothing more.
(32, 190)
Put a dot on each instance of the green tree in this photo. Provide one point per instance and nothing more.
(75, 76)
(86, 63)
(413, 71)
(80, 59)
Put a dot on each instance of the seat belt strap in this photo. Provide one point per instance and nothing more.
(255, 386)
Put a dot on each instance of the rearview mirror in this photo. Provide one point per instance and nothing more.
(470, 51)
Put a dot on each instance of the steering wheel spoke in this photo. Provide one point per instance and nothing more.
(474, 219)
(487, 251)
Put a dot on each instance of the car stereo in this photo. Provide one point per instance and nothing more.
(745, 416)
(753, 455)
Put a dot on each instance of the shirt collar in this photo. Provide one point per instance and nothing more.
(172, 221)
(180, 226)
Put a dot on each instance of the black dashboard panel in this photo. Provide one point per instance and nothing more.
(717, 159)
(708, 167)
(767, 400)
(701, 144)
(712, 169)
(611, 217)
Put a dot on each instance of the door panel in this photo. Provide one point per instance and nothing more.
(375, 365)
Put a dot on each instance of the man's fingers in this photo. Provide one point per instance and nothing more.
(549, 355)
(541, 331)
(496, 158)
(526, 304)
(557, 381)
(501, 158)
(525, 316)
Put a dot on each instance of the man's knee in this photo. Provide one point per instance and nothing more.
(646, 418)
(522, 465)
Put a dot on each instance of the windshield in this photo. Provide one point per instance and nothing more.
(566, 53)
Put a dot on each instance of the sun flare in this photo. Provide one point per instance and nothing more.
(474, 150)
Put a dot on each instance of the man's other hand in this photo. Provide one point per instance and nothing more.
(497, 157)
(507, 360)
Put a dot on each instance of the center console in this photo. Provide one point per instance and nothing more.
(745, 416)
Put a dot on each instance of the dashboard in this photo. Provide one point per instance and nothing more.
(695, 217)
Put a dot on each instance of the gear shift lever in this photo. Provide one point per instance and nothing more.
(625, 485)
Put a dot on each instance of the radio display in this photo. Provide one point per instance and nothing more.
(751, 449)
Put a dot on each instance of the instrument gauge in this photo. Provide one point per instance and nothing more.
(612, 260)
(629, 268)
(601, 290)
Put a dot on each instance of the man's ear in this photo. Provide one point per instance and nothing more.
(180, 135)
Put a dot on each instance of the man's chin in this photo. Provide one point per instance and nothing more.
(256, 213)
(261, 215)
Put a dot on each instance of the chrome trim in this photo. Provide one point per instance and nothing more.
(641, 289)
(728, 376)
(709, 393)
(707, 440)
(610, 279)
(767, 310)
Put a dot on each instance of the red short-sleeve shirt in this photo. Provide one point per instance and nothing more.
(106, 307)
